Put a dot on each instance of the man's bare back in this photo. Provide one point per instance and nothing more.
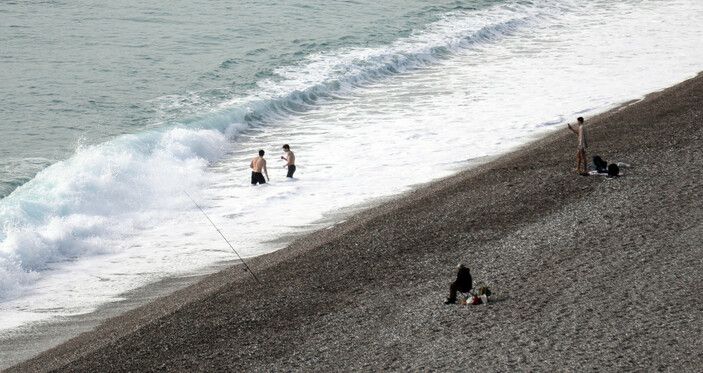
(258, 164)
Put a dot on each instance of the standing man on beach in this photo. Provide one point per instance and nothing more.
(580, 131)
(290, 160)
(257, 165)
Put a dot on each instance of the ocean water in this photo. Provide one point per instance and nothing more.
(111, 112)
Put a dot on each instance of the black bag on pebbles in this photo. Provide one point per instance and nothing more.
(613, 170)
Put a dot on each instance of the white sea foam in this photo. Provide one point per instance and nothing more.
(365, 123)
(87, 204)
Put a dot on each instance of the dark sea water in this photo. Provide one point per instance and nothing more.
(81, 72)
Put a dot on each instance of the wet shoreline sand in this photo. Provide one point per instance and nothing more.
(589, 272)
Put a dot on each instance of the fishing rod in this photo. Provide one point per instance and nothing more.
(223, 236)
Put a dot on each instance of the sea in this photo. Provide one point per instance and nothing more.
(114, 114)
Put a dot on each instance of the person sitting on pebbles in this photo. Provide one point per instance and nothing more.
(463, 283)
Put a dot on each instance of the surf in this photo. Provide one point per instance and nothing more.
(67, 210)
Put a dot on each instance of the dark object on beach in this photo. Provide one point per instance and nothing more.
(600, 165)
(613, 170)
(463, 283)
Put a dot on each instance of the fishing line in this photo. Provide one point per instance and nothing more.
(223, 236)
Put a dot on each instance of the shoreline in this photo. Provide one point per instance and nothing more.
(369, 225)
(32, 339)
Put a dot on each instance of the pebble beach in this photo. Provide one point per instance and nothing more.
(588, 273)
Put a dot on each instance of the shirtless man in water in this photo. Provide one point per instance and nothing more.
(581, 162)
(290, 160)
(257, 165)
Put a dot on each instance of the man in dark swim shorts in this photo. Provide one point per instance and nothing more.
(257, 165)
(290, 160)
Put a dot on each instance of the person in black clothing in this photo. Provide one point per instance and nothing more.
(463, 283)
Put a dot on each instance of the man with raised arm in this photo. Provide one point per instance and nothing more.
(257, 165)
(581, 162)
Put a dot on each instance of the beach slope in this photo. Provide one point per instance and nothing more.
(588, 272)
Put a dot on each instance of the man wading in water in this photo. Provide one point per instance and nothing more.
(290, 160)
(257, 165)
(581, 163)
